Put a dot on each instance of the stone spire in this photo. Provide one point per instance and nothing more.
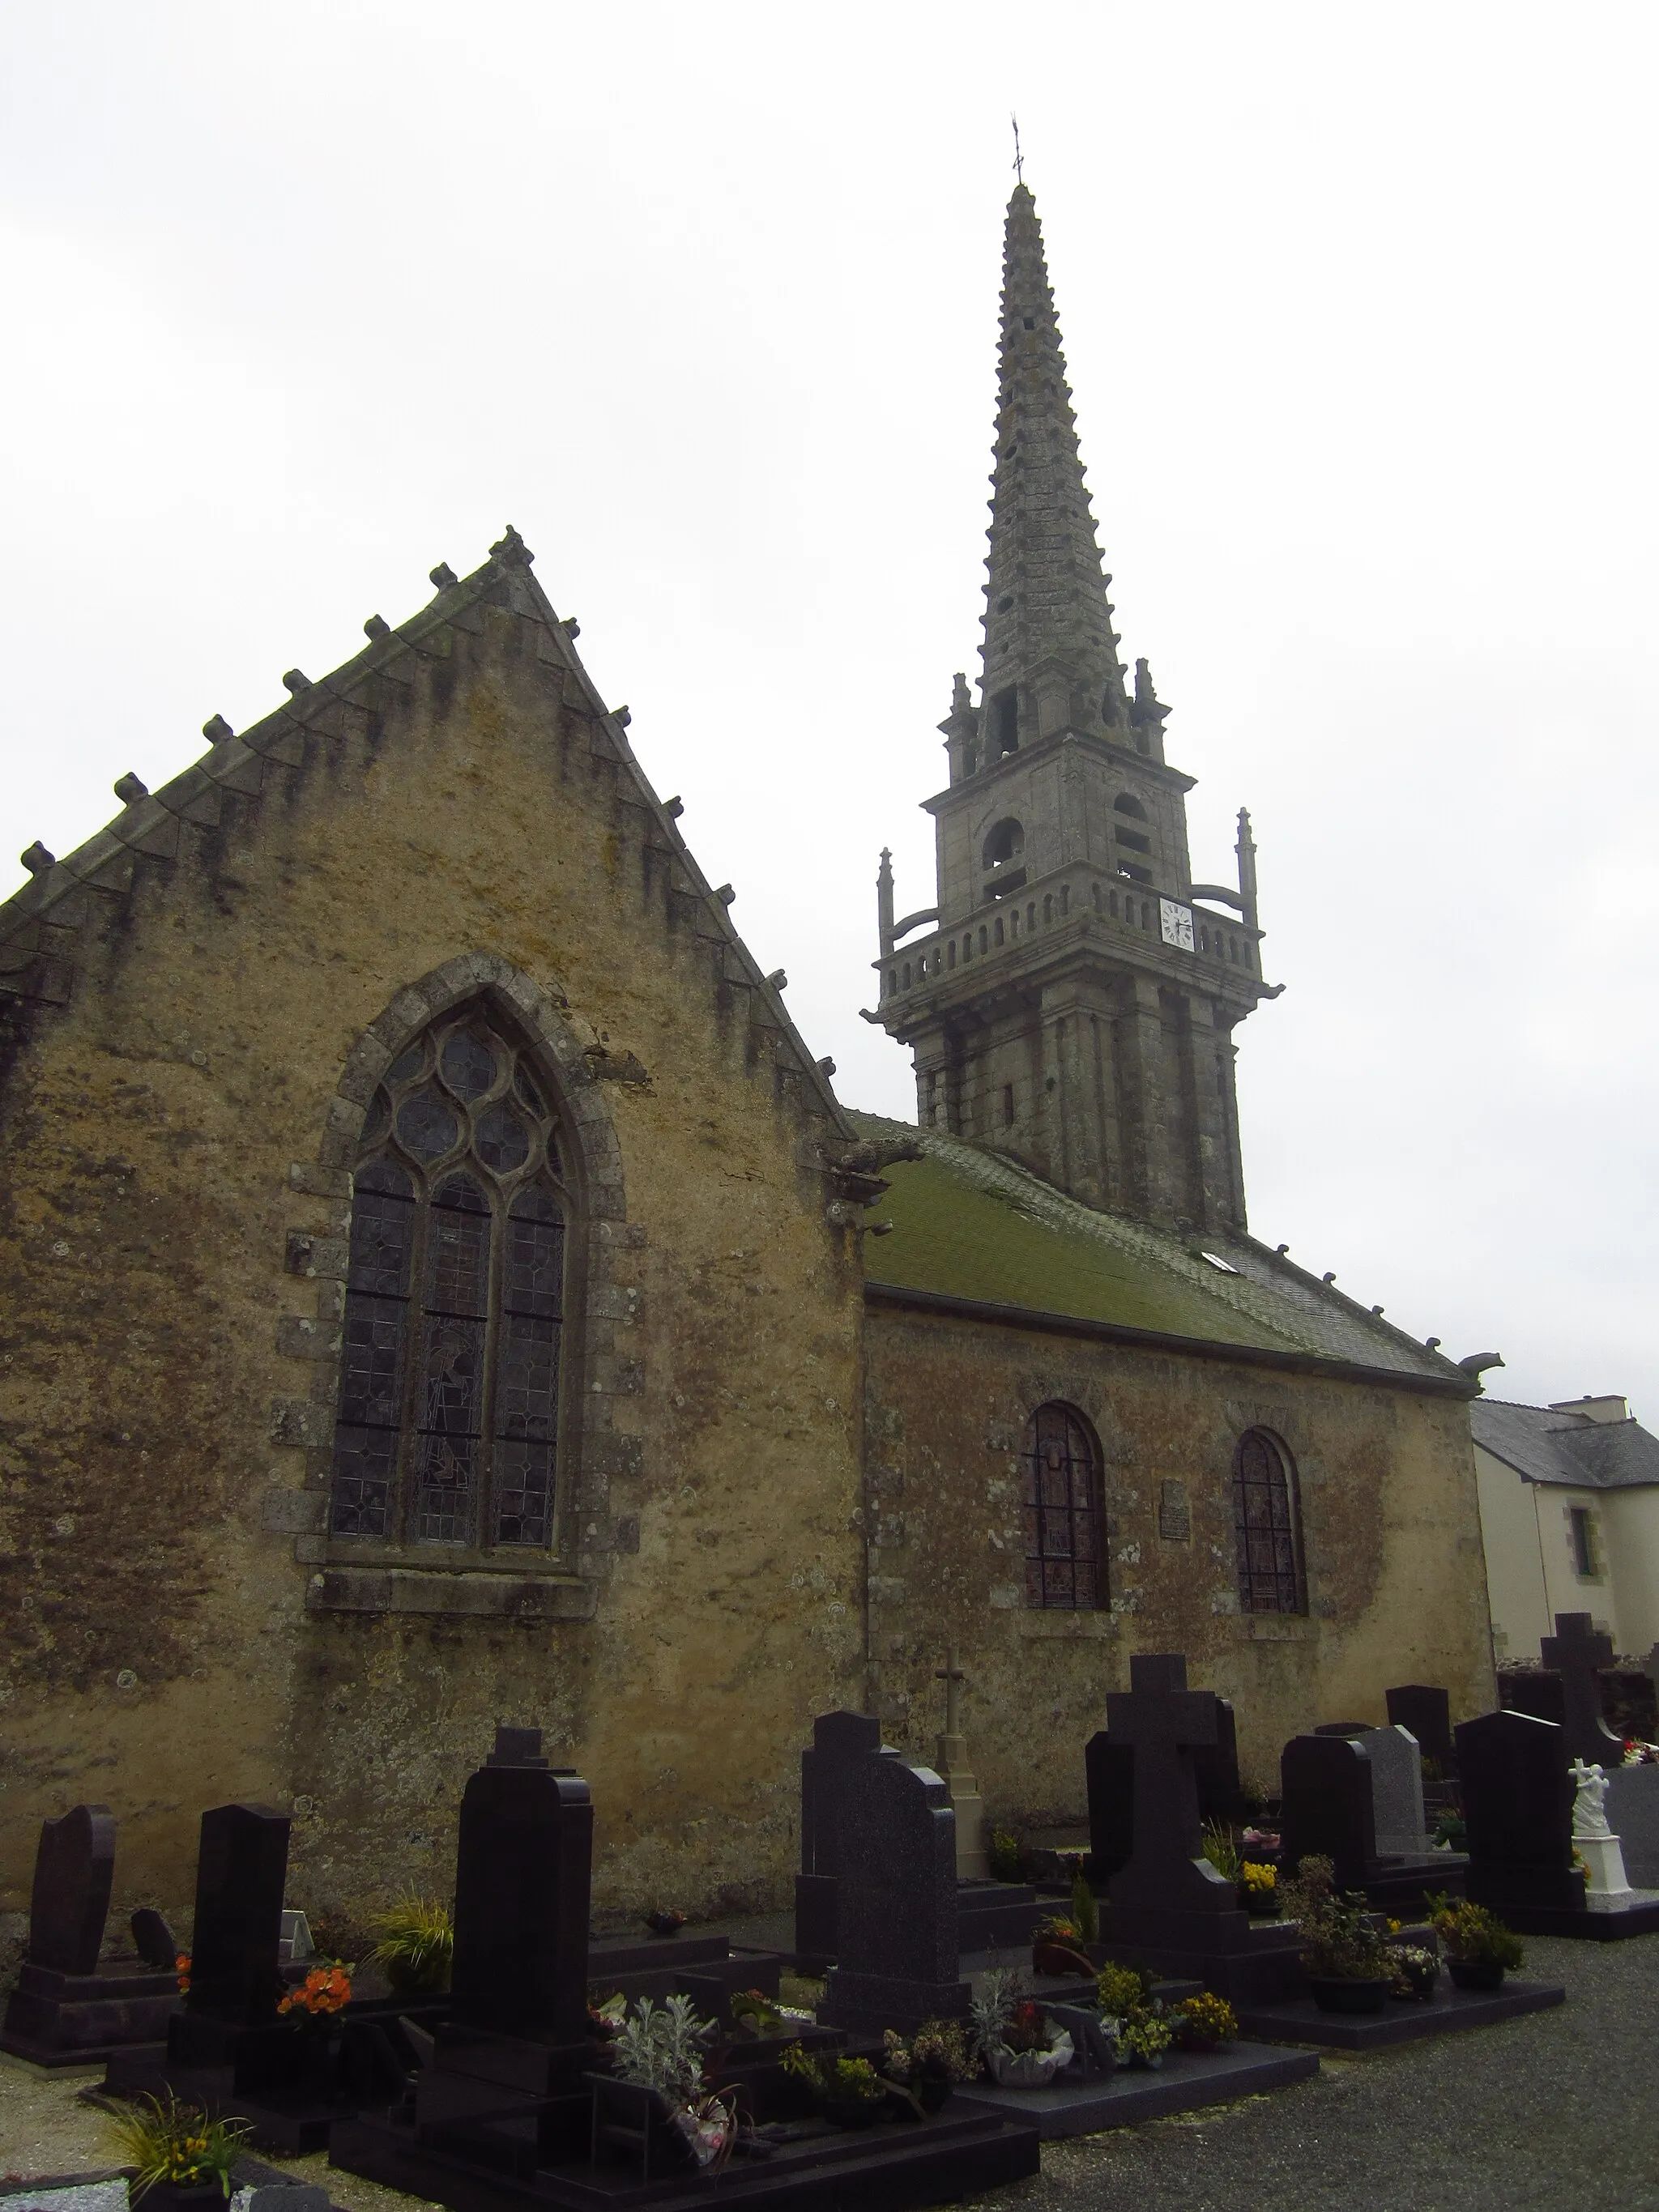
(1050, 654)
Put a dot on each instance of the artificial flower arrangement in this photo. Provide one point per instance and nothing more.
(927, 2068)
(176, 2144)
(326, 1990)
(1021, 2047)
(1416, 1971)
(753, 2013)
(1057, 1947)
(662, 2047)
(1637, 1753)
(181, 1970)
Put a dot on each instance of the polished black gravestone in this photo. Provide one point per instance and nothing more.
(67, 2009)
(840, 1740)
(1426, 1711)
(1576, 1654)
(1166, 1904)
(1517, 1806)
(153, 1938)
(1109, 1778)
(1329, 1794)
(897, 1915)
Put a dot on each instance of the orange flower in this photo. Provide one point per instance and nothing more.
(182, 1968)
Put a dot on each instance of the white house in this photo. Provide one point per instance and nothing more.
(1569, 1515)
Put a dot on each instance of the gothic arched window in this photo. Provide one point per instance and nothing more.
(1267, 1527)
(447, 1429)
(1062, 1510)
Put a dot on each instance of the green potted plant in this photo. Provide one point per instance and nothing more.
(659, 2050)
(1349, 1969)
(417, 1944)
(1202, 2023)
(1141, 2032)
(1416, 1972)
(182, 2159)
(848, 2092)
(1480, 1949)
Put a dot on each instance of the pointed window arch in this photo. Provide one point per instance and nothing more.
(1063, 1511)
(448, 1416)
(1267, 1526)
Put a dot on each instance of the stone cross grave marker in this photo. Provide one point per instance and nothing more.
(1162, 1722)
(897, 1965)
(959, 1778)
(1110, 1777)
(1426, 1711)
(240, 1870)
(523, 1875)
(1576, 1652)
(1517, 1807)
(839, 1742)
(74, 1868)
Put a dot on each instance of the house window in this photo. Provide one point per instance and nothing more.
(1267, 1527)
(1583, 1541)
(1062, 1508)
(448, 1426)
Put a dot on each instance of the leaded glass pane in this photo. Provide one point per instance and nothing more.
(1265, 1527)
(501, 1139)
(427, 1126)
(468, 1064)
(1060, 1511)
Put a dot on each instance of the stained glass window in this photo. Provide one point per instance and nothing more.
(1267, 1527)
(447, 1428)
(1061, 1510)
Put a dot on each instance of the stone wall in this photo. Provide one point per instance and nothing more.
(1396, 1588)
(177, 1130)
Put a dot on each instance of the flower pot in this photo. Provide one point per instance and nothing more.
(1474, 1974)
(1028, 2070)
(1259, 1904)
(1339, 1993)
(182, 2196)
(406, 1979)
(932, 2094)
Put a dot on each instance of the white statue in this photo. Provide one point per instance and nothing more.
(1589, 1807)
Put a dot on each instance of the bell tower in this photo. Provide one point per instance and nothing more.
(1074, 1001)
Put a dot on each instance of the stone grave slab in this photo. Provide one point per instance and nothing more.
(1518, 1795)
(1426, 1711)
(68, 2008)
(1339, 1788)
(899, 1934)
(1185, 2082)
(839, 1741)
(1633, 1815)
(1403, 2021)
(1576, 1654)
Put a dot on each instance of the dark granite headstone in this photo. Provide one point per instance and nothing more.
(1167, 1891)
(1108, 1770)
(523, 1873)
(840, 1740)
(1529, 1692)
(74, 1868)
(1220, 1793)
(1326, 1807)
(897, 1913)
(1517, 1807)
(240, 1869)
(1426, 1711)
(1576, 1654)
(153, 1939)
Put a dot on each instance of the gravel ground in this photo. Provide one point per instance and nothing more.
(1533, 2115)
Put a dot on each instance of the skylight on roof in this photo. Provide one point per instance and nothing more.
(1224, 1266)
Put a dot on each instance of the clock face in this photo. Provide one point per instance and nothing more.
(1177, 922)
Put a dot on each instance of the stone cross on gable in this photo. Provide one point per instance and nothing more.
(1164, 1724)
(1574, 1652)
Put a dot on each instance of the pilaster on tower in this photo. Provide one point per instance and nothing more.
(1074, 1001)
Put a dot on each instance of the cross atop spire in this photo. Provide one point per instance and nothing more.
(1050, 653)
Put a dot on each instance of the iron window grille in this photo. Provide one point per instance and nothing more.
(447, 1424)
(1062, 1512)
(1267, 1527)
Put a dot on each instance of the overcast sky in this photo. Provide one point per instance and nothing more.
(1359, 310)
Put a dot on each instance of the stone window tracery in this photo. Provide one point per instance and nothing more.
(1267, 1527)
(1062, 1511)
(447, 1424)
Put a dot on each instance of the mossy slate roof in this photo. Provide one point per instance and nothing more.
(971, 1225)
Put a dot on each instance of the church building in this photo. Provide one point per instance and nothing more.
(439, 1286)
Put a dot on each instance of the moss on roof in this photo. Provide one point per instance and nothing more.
(973, 1225)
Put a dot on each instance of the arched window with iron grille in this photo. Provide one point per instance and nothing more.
(448, 1426)
(1062, 1510)
(1268, 1527)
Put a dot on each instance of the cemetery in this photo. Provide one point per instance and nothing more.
(918, 2027)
